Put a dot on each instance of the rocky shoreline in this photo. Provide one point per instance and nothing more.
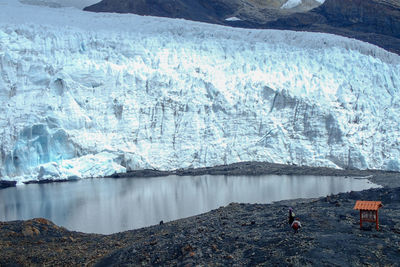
(383, 178)
(5, 184)
(238, 234)
(244, 234)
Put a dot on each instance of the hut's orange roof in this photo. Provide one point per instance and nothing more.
(367, 205)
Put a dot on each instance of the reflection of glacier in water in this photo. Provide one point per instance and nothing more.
(113, 205)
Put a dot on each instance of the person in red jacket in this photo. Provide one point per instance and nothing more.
(296, 225)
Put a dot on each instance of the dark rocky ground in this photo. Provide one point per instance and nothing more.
(239, 234)
(5, 184)
(243, 234)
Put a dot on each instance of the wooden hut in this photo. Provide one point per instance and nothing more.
(368, 211)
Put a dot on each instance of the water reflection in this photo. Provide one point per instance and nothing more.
(113, 205)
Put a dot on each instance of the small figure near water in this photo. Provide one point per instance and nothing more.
(296, 225)
(291, 216)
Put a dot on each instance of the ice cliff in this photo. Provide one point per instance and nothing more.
(87, 95)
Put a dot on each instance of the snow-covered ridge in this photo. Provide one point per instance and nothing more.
(294, 3)
(85, 95)
(61, 3)
(291, 4)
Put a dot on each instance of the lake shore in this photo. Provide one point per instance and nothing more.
(238, 234)
(383, 178)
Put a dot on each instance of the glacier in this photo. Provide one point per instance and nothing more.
(88, 95)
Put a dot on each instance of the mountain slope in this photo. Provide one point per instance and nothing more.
(212, 11)
(83, 98)
(192, 9)
(374, 21)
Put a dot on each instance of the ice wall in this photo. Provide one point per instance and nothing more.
(104, 93)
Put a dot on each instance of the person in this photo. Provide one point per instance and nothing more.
(296, 225)
(291, 216)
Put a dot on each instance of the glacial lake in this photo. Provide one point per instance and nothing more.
(113, 205)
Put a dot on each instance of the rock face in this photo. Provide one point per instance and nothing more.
(374, 21)
(198, 10)
(212, 11)
(207, 11)
(381, 17)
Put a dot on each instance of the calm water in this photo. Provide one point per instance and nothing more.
(113, 205)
